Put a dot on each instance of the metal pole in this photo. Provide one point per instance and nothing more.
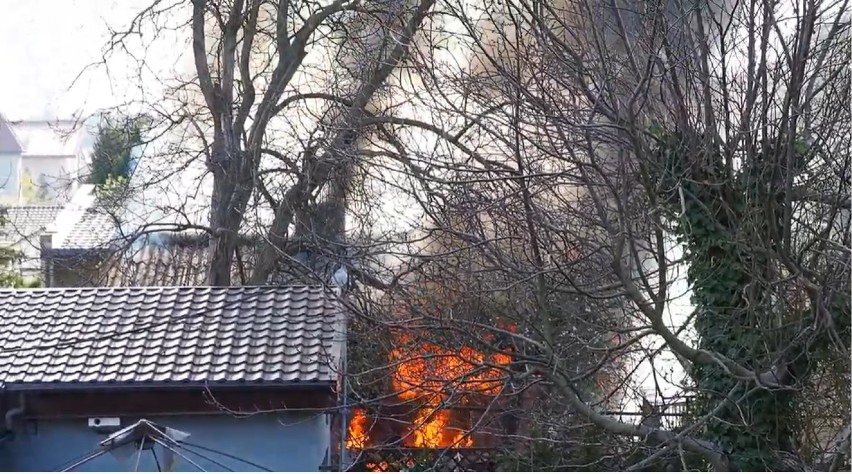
(139, 453)
(344, 419)
(175, 451)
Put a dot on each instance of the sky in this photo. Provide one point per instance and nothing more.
(44, 46)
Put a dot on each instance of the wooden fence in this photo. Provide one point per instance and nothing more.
(424, 459)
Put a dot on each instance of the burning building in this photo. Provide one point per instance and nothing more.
(437, 406)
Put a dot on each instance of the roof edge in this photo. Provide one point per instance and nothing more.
(59, 289)
(295, 386)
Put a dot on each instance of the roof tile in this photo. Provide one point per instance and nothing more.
(26, 223)
(164, 335)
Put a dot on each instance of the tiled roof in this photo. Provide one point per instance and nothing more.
(96, 228)
(167, 266)
(26, 222)
(186, 265)
(168, 336)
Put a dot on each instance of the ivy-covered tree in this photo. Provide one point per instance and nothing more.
(731, 224)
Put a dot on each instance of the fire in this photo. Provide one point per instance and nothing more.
(431, 430)
(359, 427)
(378, 467)
(431, 373)
(435, 377)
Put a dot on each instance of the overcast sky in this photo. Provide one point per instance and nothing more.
(45, 44)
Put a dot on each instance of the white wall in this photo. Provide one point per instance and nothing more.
(55, 155)
(53, 177)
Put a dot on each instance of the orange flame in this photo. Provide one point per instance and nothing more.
(431, 430)
(358, 435)
(382, 466)
(435, 376)
(427, 371)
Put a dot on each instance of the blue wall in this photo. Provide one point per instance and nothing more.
(9, 164)
(281, 442)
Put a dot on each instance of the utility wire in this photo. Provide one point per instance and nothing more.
(91, 455)
(86, 459)
(207, 458)
(175, 451)
(170, 444)
(184, 444)
(177, 444)
(139, 453)
(79, 460)
(235, 458)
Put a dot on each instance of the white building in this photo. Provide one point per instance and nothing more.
(42, 162)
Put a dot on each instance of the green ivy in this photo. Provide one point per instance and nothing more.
(718, 224)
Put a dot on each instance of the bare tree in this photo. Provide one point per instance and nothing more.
(616, 129)
(564, 162)
(253, 95)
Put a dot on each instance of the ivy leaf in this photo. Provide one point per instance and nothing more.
(657, 131)
(801, 147)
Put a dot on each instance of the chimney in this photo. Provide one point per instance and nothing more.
(46, 243)
(321, 232)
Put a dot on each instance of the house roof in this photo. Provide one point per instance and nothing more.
(50, 137)
(96, 228)
(164, 265)
(26, 222)
(173, 264)
(8, 141)
(86, 224)
(169, 336)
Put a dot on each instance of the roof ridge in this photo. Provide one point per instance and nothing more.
(59, 289)
(32, 206)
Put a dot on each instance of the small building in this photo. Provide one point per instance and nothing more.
(250, 374)
(21, 228)
(58, 242)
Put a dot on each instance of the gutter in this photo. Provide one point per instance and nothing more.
(76, 253)
(9, 419)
